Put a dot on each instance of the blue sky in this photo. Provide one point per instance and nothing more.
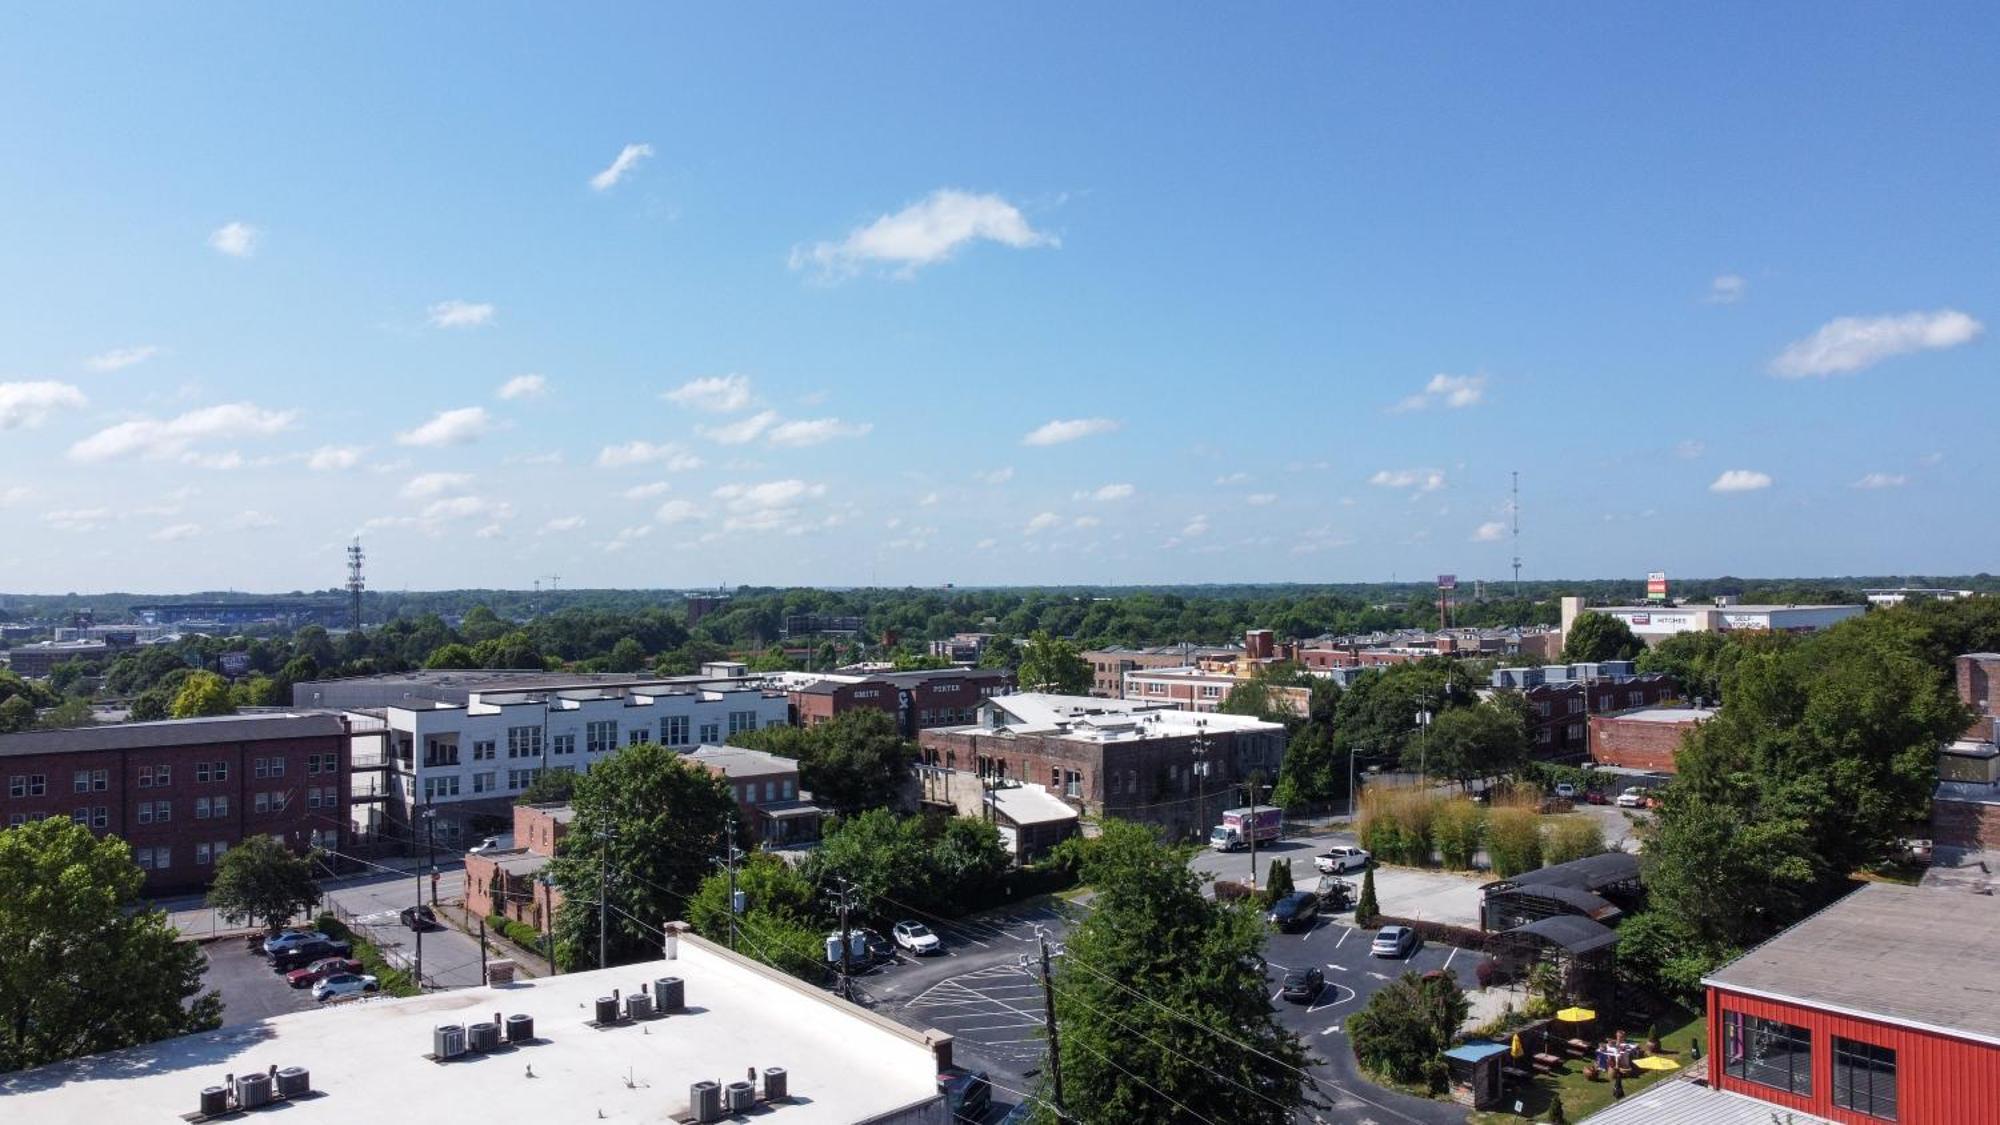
(1023, 294)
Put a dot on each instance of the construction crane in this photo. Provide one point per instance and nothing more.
(555, 582)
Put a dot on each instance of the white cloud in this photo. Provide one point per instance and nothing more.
(647, 491)
(466, 507)
(922, 234)
(118, 359)
(490, 531)
(673, 457)
(560, 524)
(742, 431)
(77, 519)
(1726, 289)
(524, 386)
(1492, 531)
(333, 458)
(1882, 480)
(798, 434)
(14, 494)
(1851, 343)
(461, 314)
(1195, 526)
(626, 537)
(176, 532)
(676, 511)
(768, 505)
(552, 457)
(1423, 480)
(986, 544)
(1233, 478)
(251, 520)
(996, 476)
(450, 427)
(1261, 499)
(1042, 522)
(627, 159)
(929, 500)
(236, 239)
(424, 486)
(719, 394)
(1741, 480)
(1106, 493)
(27, 405)
(1690, 449)
(175, 437)
(1085, 521)
(1453, 392)
(1057, 432)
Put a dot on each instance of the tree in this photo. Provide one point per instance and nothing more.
(550, 787)
(1367, 910)
(262, 880)
(1204, 1032)
(1595, 637)
(203, 693)
(16, 714)
(855, 761)
(1278, 883)
(1698, 662)
(1407, 1024)
(941, 866)
(1469, 742)
(654, 821)
(779, 925)
(628, 655)
(1052, 664)
(452, 656)
(152, 705)
(88, 967)
(74, 711)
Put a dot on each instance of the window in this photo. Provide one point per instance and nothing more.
(485, 750)
(1864, 1078)
(1767, 1052)
(636, 736)
(16, 820)
(1635, 699)
(155, 812)
(1072, 783)
(674, 730)
(261, 767)
(711, 733)
(326, 838)
(1575, 731)
(521, 779)
(1576, 705)
(742, 721)
(1545, 736)
(263, 802)
(145, 777)
(153, 859)
(770, 791)
(100, 816)
(17, 786)
(219, 808)
(563, 744)
(201, 771)
(435, 787)
(201, 808)
(83, 781)
(222, 771)
(201, 855)
(277, 766)
(524, 742)
(442, 753)
(312, 797)
(483, 782)
(220, 847)
(788, 789)
(600, 737)
(1542, 709)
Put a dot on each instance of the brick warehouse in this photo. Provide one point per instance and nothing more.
(1646, 739)
(183, 791)
(917, 700)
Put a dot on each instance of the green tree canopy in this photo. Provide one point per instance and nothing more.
(550, 787)
(1407, 1025)
(1464, 743)
(88, 967)
(659, 823)
(1204, 1031)
(1600, 636)
(855, 761)
(262, 880)
(454, 655)
(935, 865)
(16, 714)
(1052, 664)
(203, 693)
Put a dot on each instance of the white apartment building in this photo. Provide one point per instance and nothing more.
(471, 760)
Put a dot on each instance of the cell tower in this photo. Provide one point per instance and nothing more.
(355, 583)
(1514, 507)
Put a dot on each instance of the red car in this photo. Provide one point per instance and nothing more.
(319, 970)
(1596, 797)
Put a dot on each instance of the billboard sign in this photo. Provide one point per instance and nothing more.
(1447, 581)
(1656, 586)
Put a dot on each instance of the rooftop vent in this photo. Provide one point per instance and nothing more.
(669, 995)
(705, 1100)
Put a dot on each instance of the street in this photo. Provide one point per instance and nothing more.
(372, 904)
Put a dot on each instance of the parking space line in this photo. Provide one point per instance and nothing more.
(1344, 935)
(1449, 956)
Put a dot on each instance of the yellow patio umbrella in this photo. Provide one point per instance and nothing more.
(1656, 1062)
(1576, 1015)
(1515, 1049)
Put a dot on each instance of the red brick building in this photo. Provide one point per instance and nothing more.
(508, 883)
(184, 791)
(939, 697)
(768, 798)
(1646, 739)
(1965, 809)
(1559, 713)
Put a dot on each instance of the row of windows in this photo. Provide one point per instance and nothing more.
(268, 767)
(28, 785)
(1780, 1055)
(155, 777)
(746, 791)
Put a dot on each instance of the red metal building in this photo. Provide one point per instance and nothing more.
(1884, 1006)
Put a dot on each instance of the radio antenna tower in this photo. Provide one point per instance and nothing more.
(1514, 507)
(355, 583)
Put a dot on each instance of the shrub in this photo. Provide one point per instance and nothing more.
(1484, 972)
(1366, 909)
(1514, 840)
(1229, 890)
(1456, 829)
(1278, 883)
(1565, 838)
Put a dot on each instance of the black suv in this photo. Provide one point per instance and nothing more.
(1296, 911)
(419, 918)
(301, 954)
(1303, 985)
(968, 1094)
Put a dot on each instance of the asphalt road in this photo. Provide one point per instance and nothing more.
(374, 903)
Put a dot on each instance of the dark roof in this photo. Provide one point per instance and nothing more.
(1591, 873)
(1581, 901)
(1577, 935)
(172, 732)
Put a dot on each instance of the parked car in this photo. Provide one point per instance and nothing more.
(489, 844)
(1341, 858)
(1565, 790)
(1634, 797)
(1296, 911)
(968, 1094)
(306, 952)
(345, 984)
(419, 917)
(1021, 1114)
(1394, 941)
(1303, 985)
(1336, 894)
(321, 969)
(917, 938)
(1596, 797)
(276, 942)
(879, 948)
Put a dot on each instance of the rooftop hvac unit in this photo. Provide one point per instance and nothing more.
(448, 1041)
(253, 1090)
(294, 1081)
(638, 1006)
(607, 1009)
(483, 1036)
(705, 1100)
(669, 994)
(775, 1085)
(214, 1101)
(742, 1097)
(520, 1028)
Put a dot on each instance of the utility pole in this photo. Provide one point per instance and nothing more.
(482, 951)
(1252, 786)
(429, 817)
(603, 902)
(1049, 1018)
(1514, 508)
(846, 940)
(1201, 775)
(1353, 794)
(729, 856)
(431, 852)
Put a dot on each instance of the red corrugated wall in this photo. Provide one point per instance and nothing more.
(1939, 1080)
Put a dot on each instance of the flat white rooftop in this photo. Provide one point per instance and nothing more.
(367, 1059)
(1668, 715)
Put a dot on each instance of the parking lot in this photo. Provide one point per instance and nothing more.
(251, 989)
